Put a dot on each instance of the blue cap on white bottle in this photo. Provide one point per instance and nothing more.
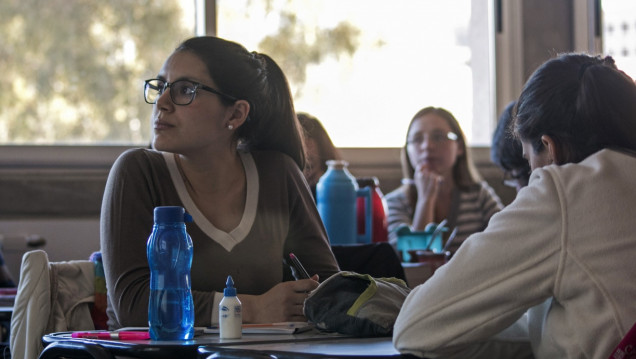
(229, 290)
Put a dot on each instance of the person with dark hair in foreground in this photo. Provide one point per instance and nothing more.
(562, 251)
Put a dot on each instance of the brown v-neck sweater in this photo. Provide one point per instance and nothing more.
(280, 217)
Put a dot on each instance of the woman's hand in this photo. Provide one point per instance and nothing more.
(428, 185)
(283, 303)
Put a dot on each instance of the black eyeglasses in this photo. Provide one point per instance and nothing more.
(435, 137)
(182, 92)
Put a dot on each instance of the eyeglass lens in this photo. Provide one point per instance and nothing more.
(182, 92)
(435, 137)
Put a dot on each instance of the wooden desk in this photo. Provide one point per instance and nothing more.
(60, 344)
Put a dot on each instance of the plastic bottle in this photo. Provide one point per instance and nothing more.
(336, 199)
(169, 250)
(230, 313)
(380, 231)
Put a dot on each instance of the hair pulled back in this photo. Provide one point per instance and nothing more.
(271, 123)
(583, 102)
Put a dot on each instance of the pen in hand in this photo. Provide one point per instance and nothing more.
(298, 271)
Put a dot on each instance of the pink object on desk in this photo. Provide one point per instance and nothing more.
(112, 335)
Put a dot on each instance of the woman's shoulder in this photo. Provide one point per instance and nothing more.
(138, 152)
(134, 157)
(604, 165)
(398, 194)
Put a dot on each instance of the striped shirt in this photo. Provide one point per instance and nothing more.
(470, 211)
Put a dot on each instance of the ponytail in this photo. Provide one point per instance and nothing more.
(271, 123)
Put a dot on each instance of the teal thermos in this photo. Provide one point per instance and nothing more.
(336, 199)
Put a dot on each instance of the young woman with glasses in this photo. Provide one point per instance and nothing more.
(440, 181)
(228, 148)
(561, 255)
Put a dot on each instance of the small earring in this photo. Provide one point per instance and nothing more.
(230, 127)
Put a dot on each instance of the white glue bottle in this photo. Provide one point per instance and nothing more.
(230, 313)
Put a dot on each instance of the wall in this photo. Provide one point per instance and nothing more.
(54, 193)
(66, 239)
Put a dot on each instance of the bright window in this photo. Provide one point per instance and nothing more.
(365, 67)
(73, 70)
(619, 33)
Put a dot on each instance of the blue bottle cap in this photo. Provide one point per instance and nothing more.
(171, 214)
(229, 290)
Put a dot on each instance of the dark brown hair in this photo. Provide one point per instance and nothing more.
(312, 128)
(583, 102)
(271, 123)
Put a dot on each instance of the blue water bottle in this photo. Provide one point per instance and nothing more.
(169, 250)
(336, 199)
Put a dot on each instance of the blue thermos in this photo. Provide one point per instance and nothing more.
(336, 198)
(169, 250)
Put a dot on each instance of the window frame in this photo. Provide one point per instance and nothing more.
(36, 160)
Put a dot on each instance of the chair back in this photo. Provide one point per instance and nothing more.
(51, 297)
(626, 349)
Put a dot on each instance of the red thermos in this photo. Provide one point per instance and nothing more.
(379, 226)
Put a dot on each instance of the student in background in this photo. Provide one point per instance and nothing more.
(228, 148)
(562, 251)
(506, 151)
(440, 181)
(318, 149)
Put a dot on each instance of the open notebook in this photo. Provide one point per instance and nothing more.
(269, 328)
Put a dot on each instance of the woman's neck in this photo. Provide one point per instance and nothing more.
(211, 174)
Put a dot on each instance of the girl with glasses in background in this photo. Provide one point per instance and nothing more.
(440, 181)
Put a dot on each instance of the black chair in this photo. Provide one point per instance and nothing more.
(75, 350)
(375, 259)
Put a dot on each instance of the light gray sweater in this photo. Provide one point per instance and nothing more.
(564, 248)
